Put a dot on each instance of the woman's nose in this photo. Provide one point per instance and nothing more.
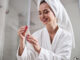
(43, 15)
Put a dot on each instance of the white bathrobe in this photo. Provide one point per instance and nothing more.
(60, 49)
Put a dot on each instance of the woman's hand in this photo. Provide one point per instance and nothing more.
(21, 32)
(34, 42)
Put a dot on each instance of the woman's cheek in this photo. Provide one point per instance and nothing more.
(40, 17)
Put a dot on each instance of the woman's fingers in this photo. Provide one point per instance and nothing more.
(31, 39)
(34, 42)
(21, 31)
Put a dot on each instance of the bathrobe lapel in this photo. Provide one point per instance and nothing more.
(46, 39)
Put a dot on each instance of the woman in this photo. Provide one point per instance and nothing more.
(53, 42)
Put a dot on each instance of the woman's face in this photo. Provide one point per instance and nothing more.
(46, 15)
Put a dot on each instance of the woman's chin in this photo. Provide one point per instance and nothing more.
(45, 23)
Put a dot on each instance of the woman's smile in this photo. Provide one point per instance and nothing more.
(45, 20)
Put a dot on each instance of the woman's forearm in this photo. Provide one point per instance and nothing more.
(21, 47)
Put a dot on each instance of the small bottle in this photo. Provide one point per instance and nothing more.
(27, 32)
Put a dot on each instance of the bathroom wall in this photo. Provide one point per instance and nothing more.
(15, 18)
(3, 8)
(10, 42)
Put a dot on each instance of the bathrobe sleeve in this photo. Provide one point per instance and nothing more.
(29, 53)
(62, 51)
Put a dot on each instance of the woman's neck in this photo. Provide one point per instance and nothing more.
(52, 28)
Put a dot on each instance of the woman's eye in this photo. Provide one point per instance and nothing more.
(39, 13)
(46, 12)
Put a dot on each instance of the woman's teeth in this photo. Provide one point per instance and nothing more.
(44, 20)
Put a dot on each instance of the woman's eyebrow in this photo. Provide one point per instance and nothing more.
(45, 9)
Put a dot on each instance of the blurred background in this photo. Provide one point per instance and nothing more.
(17, 13)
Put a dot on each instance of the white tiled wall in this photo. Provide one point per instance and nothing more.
(10, 42)
(3, 7)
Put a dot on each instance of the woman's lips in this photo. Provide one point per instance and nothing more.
(44, 20)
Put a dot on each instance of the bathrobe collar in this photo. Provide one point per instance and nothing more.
(46, 38)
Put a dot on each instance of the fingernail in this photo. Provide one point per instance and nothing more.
(26, 27)
(28, 35)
